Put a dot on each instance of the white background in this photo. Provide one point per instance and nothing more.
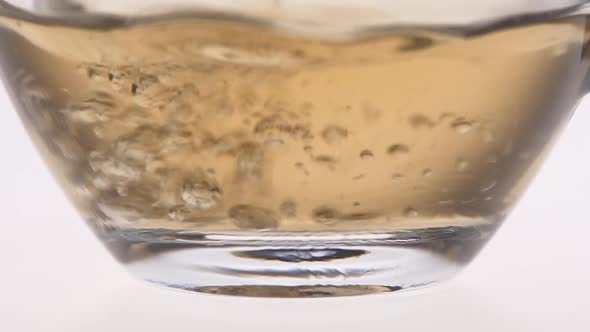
(55, 276)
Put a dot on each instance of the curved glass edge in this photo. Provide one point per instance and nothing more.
(314, 12)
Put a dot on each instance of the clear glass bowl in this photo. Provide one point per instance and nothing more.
(294, 148)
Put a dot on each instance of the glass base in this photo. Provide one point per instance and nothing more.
(298, 264)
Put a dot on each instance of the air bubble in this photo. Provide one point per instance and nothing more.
(366, 154)
(370, 112)
(559, 50)
(273, 143)
(410, 212)
(301, 166)
(178, 213)
(31, 92)
(97, 73)
(288, 209)
(326, 215)
(492, 159)
(134, 150)
(419, 121)
(306, 107)
(445, 116)
(325, 159)
(84, 192)
(416, 43)
(266, 57)
(462, 165)
(462, 126)
(488, 137)
(334, 134)
(359, 216)
(251, 217)
(122, 190)
(221, 146)
(398, 150)
(120, 212)
(201, 193)
(101, 182)
(397, 176)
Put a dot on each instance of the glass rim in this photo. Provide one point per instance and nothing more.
(417, 11)
(307, 17)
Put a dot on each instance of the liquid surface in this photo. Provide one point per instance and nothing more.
(208, 126)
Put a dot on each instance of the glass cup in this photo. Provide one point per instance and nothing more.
(294, 148)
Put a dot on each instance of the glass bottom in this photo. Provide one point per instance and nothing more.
(298, 264)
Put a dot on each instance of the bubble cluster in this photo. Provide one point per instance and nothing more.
(201, 193)
(117, 169)
(253, 218)
(282, 127)
(250, 160)
(91, 110)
